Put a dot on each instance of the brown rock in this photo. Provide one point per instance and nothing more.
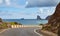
(55, 19)
(48, 17)
(56, 16)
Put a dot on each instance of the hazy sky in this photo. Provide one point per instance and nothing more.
(28, 9)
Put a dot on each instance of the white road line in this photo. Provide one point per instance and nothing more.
(37, 32)
(3, 30)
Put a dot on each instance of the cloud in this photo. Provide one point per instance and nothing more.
(46, 11)
(16, 15)
(1, 1)
(17, 4)
(7, 2)
(26, 3)
(11, 3)
(42, 3)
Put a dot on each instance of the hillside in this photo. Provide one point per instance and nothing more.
(54, 21)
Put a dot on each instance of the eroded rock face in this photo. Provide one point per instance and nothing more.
(56, 16)
(48, 17)
(54, 21)
(38, 17)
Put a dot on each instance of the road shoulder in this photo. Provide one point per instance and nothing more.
(45, 33)
(1, 31)
(37, 32)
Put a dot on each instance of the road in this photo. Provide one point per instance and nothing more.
(19, 32)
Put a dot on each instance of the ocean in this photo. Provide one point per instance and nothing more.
(27, 21)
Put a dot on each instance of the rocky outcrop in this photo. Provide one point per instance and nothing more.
(48, 17)
(38, 17)
(56, 16)
(22, 18)
(54, 21)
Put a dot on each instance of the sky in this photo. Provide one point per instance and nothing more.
(27, 9)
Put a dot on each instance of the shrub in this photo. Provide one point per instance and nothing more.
(40, 24)
(3, 26)
(15, 23)
(0, 20)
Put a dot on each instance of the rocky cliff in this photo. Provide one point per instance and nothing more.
(38, 17)
(56, 16)
(48, 17)
(54, 21)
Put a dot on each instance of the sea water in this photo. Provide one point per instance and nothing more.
(27, 21)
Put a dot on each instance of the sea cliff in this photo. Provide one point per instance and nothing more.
(53, 24)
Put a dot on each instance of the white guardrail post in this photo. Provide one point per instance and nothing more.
(20, 26)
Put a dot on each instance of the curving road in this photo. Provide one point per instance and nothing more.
(19, 32)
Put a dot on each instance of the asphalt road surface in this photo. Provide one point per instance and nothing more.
(19, 32)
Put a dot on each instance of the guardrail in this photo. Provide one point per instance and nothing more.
(21, 26)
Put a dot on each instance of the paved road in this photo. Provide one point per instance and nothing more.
(19, 32)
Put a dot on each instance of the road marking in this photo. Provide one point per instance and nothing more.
(4, 30)
(37, 32)
(34, 31)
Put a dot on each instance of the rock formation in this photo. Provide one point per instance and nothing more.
(22, 18)
(38, 17)
(54, 21)
(56, 16)
(48, 17)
